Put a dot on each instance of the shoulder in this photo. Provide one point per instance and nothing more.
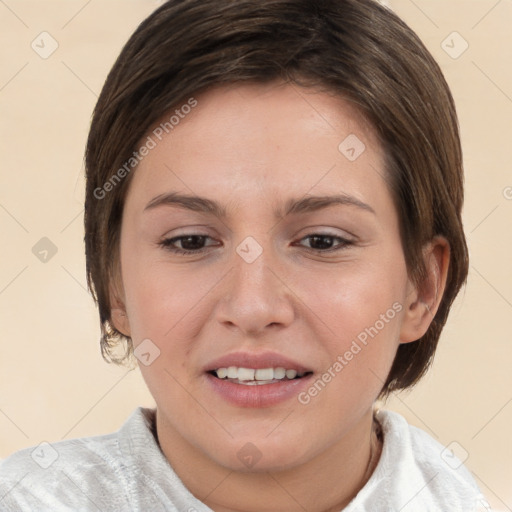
(72, 473)
(430, 457)
(416, 472)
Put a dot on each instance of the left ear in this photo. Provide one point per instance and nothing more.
(423, 300)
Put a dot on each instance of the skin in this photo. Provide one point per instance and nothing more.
(251, 148)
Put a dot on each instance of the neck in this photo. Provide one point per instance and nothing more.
(327, 482)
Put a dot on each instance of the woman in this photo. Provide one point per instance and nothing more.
(273, 230)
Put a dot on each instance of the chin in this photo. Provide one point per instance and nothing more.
(260, 455)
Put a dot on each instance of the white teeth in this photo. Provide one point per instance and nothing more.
(291, 374)
(279, 373)
(253, 376)
(246, 373)
(261, 374)
(222, 373)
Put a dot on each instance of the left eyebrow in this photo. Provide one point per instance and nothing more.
(292, 206)
(315, 203)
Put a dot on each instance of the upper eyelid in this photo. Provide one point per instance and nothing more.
(167, 240)
(311, 230)
(312, 233)
(344, 240)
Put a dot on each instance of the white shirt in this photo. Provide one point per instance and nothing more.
(126, 471)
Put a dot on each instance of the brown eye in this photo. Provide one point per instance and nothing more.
(324, 242)
(190, 244)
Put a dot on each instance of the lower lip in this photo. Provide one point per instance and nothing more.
(258, 396)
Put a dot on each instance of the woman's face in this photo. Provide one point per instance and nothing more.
(294, 263)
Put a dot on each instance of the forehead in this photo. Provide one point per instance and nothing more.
(282, 114)
(254, 140)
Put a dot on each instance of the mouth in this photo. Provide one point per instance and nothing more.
(257, 379)
(258, 376)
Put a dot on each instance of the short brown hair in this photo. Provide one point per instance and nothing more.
(356, 49)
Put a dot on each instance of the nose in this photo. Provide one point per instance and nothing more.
(256, 297)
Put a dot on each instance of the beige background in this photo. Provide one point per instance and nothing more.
(53, 382)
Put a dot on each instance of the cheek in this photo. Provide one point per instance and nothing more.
(357, 323)
(358, 318)
(164, 302)
(166, 307)
(354, 298)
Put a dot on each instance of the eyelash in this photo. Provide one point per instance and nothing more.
(168, 244)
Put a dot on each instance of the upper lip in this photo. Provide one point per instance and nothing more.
(256, 360)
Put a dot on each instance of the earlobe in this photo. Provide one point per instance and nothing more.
(118, 315)
(424, 299)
